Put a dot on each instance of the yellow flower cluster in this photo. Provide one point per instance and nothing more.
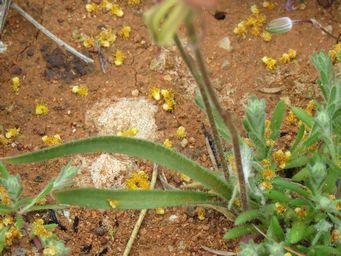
(160, 211)
(52, 140)
(336, 236)
(181, 132)
(269, 5)
(4, 197)
(119, 58)
(125, 32)
(201, 213)
(311, 107)
(268, 174)
(138, 180)
(168, 143)
(269, 62)
(185, 178)
(105, 6)
(280, 208)
(15, 83)
(38, 229)
(3, 140)
(266, 185)
(291, 118)
(12, 234)
(333, 52)
(88, 42)
(12, 133)
(106, 37)
(287, 57)
(80, 90)
(281, 158)
(254, 22)
(168, 96)
(41, 109)
(131, 132)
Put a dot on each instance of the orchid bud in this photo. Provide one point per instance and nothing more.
(280, 25)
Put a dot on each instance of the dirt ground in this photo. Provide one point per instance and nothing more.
(47, 75)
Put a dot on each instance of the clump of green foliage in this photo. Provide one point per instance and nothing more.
(15, 208)
(298, 215)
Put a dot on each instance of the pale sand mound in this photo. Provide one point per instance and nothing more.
(107, 170)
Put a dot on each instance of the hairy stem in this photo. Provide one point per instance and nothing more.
(225, 114)
(191, 66)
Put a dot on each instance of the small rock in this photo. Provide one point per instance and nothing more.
(225, 44)
(329, 28)
(135, 93)
(19, 252)
(225, 65)
(172, 218)
(184, 143)
(3, 47)
(30, 52)
(100, 231)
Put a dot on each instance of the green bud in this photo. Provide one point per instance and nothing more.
(280, 25)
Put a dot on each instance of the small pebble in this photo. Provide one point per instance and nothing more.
(135, 93)
(184, 143)
(172, 218)
(225, 44)
(100, 231)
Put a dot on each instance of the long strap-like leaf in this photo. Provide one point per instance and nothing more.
(133, 199)
(133, 147)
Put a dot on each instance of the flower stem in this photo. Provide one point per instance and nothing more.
(225, 114)
(191, 66)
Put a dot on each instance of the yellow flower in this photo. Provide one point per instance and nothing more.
(181, 132)
(125, 32)
(11, 234)
(119, 58)
(281, 158)
(301, 212)
(50, 251)
(3, 140)
(337, 47)
(311, 106)
(185, 178)
(168, 105)
(52, 140)
(168, 143)
(260, 19)
(131, 132)
(116, 10)
(88, 42)
(256, 31)
(254, 9)
(291, 118)
(113, 203)
(41, 109)
(15, 83)
(270, 143)
(7, 220)
(332, 54)
(269, 62)
(265, 163)
(38, 229)
(138, 180)
(266, 185)
(266, 36)
(4, 197)
(285, 58)
(106, 5)
(249, 142)
(155, 93)
(134, 2)
(336, 235)
(292, 53)
(236, 202)
(269, 5)
(80, 90)
(240, 30)
(106, 38)
(91, 7)
(268, 174)
(12, 132)
(160, 211)
(167, 94)
(338, 205)
(332, 197)
(280, 208)
(201, 213)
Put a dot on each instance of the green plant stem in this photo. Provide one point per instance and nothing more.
(141, 216)
(225, 114)
(191, 66)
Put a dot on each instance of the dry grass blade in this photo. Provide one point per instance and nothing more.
(218, 252)
(4, 7)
